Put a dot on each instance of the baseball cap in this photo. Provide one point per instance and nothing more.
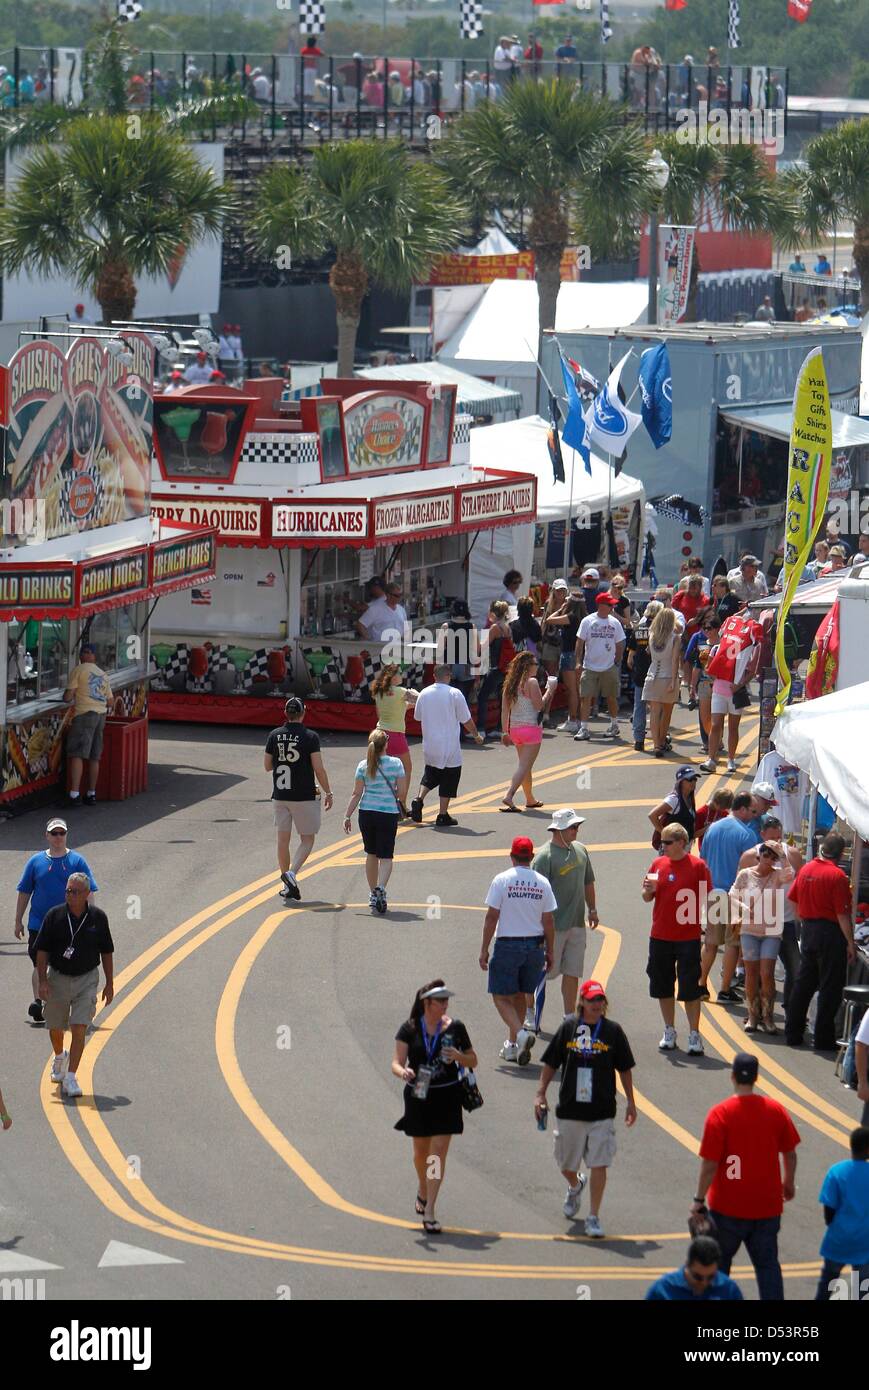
(87, 647)
(609, 599)
(766, 790)
(560, 584)
(176, 376)
(564, 818)
(56, 823)
(79, 308)
(590, 989)
(769, 822)
(439, 992)
(294, 705)
(685, 771)
(745, 1067)
(591, 573)
(522, 848)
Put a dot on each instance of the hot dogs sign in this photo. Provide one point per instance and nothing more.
(79, 432)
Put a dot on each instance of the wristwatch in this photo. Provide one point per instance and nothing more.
(699, 1202)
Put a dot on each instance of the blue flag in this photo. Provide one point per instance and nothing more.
(656, 390)
(574, 432)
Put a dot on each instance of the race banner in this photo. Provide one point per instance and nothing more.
(675, 253)
(480, 270)
(809, 460)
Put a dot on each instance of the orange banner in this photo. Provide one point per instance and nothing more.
(481, 270)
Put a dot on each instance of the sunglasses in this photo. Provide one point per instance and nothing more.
(671, 842)
(57, 832)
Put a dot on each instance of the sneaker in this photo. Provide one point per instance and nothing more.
(569, 726)
(614, 731)
(705, 995)
(59, 1066)
(573, 1197)
(292, 886)
(90, 799)
(731, 764)
(593, 1227)
(36, 1011)
(416, 812)
(70, 1086)
(525, 1040)
(707, 766)
(639, 747)
(668, 1041)
(509, 1052)
(380, 903)
(582, 734)
(695, 1044)
(445, 821)
(73, 800)
(692, 704)
(372, 900)
(530, 1024)
(728, 996)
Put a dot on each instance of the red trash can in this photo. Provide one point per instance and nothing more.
(124, 761)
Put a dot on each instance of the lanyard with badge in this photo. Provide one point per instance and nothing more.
(426, 1072)
(70, 950)
(585, 1075)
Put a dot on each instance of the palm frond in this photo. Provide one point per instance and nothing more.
(23, 129)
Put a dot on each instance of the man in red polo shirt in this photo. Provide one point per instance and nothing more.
(740, 1171)
(678, 883)
(821, 894)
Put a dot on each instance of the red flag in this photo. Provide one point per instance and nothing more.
(675, 4)
(824, 661)
(799, 10)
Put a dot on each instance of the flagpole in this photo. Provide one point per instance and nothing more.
(569, 512)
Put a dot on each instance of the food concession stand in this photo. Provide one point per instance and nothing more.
(311, 499)
(80, 555)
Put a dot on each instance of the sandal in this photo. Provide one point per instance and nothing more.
(533, 805)
(432, 1228)
(419, 1205)
(509, 807)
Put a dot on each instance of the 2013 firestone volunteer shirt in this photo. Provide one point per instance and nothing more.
(290, 748)
(601, 637)
(521, 896)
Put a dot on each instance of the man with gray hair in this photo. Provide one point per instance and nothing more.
(443, 712)
(72, 941)
(746, 580)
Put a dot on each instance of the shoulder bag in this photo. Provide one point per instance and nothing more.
(471, 1096)
(402, 809)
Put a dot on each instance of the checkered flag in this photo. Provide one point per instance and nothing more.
(312, 17)
(606, 32)
(129, 9)
(472, 19)
(733, 24)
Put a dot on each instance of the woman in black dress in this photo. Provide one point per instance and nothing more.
(429, 1049)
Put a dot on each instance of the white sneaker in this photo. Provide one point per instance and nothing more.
(524, 1043)
(695, 1044)
(731, 764)
(59, 1066)
(582, 734)
(569, 726)
(509, 1052)
(707, 766)
(529, 1023)
(614, 731)
(70, 1086)
(668, 1042)
(573, 1197)
(593, 1227)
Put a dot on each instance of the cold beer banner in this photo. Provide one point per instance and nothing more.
(809, 460)
(675, 252)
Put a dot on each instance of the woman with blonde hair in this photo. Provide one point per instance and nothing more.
(661, 686)
(392, 699)
(379, 792)
(521, 702)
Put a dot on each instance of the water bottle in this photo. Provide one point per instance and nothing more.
(544, 1118)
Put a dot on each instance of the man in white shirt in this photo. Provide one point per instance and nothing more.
(384, 617)
(746, 581)
(600, 642)
(501, 61)
(520, 915)
(861, 1060)
(442, 712)
(262, 87)
(199, 372)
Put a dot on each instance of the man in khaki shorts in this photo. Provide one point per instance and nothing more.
(590, 1049)
(72, 941)
(600, 643)
(566, 864)
(293, 758)
(89, 689)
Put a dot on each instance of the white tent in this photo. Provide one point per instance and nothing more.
(827, 739)
(498, 338)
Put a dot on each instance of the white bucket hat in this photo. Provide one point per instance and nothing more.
(564, 819)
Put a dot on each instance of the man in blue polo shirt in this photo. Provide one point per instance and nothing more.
(845, 1198)
(43, 885)
(724, 844)
(699, 1279)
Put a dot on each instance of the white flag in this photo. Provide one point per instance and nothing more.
(609, 425)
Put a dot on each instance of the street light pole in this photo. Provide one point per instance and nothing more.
(659, 172)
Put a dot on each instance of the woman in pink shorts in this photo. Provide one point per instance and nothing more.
(521, 703)
(392, 700)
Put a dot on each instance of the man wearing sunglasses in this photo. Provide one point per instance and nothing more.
(699, 1278)
(43, 886)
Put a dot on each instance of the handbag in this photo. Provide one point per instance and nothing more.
(741, 698)
(471, 1096)
(402, 809)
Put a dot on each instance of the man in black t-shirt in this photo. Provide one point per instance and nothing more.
(72, 941)
(589, 1048)
(293, 758)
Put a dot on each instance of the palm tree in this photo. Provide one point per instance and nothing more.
(383, 214)
(567, 158)
(831, 186)
(101, 207)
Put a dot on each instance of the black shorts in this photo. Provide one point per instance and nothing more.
(31, 945)
(446, 779)
(674, 960)
(378, 833)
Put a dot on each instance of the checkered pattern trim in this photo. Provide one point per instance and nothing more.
(220, 659)
(312, 17)
(176, 664)
(414, 676)
(281, 448)
(70, 479)
(606, 32)
(733, 24)
(462, 429)
(472, 19)
(255, 668)
(128, 10)
(370, 666)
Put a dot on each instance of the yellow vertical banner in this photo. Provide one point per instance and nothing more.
(809, 461)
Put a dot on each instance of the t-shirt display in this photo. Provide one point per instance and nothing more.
(678, 902)
(291, 747)
(601, 637)
(45, 879)
(88, 937)
(568, 870)
(602, 1049)
(756, 1130)
(442, 710)
(791, 788)
(521, 896)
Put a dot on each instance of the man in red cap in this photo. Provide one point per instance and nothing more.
(175, 382)
(600, 643)
(199, 372)
(79, 316)
(589, 1049)
(520, 915)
